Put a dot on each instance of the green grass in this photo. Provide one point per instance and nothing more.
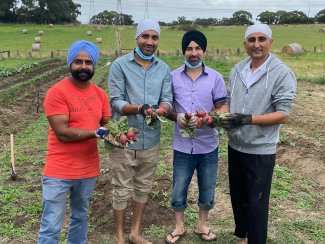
(221, 37)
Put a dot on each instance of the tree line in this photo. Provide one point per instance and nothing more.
(66, 11)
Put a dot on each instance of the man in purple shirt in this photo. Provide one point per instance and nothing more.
(196, 87)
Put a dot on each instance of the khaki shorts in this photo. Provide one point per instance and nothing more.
(132, 174)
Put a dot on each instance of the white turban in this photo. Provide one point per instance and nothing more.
(263, 28)
(147, 24)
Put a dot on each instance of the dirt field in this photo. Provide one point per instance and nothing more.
(302, 151)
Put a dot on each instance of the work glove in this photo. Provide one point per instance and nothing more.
(147, 110)
(181, 120)
(101, 132)
(192, 123)
(113, 140)
(235, 120)
(143, 110)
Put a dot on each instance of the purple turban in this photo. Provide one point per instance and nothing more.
(90, 48)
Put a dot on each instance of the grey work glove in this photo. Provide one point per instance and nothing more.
(233, 121)
(184, 120)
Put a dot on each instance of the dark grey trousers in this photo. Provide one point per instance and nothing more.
(250, 178)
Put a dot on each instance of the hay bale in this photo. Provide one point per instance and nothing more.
(40, 33)
(89, 33)
(50, 25)
(37, 39)
(292, 49)
(36, 47)
(24, 31)
(99, 40)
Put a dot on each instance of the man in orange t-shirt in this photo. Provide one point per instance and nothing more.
(75, 108)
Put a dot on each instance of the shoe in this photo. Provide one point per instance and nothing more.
(205, 236)
(174, 236)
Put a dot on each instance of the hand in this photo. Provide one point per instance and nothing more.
(109, 138)
(192, 123)
(143, 110)
(232, 121)
(181, 120)
(101, 132)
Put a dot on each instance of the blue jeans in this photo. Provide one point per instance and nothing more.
(55, 192)
(206, 166)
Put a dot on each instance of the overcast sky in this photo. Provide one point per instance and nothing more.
(167, 10)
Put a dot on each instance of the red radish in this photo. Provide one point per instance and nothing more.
(210, 121)
(188, 115)
(199, 123)
(160, 112)
(123, 139)
(130, 135)
(149, 111)
(200, 114)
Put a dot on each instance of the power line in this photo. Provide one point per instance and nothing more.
(119, 19)
(91, 9)
(146, 10)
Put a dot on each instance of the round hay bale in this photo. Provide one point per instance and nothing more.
(292, 49)
(50, 25)
(36, 47)
(40, 33)
(99, 40)
(24, 31)
(37, 39)
(89, 33)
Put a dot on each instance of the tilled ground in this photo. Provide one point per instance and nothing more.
(25, 109)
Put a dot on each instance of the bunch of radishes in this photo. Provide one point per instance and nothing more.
(154, 116)
(120, 135)
(211, 119)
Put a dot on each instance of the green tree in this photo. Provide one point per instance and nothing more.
(242, 17)
(8, 10)
(267, 17)
(112, 18)
(280, 16)
(320, 16)
(206, 22)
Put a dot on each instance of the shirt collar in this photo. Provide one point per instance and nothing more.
(262, 67)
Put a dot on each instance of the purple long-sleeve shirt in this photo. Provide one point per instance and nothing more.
(191, 96)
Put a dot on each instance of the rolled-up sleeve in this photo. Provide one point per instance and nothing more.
(166, 92)
(116, 84)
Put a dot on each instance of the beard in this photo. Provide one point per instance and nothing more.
(194, 60)
(82, 74)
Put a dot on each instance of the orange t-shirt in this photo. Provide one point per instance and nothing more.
(85, 107)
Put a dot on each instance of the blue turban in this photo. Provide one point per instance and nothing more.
(90, 48)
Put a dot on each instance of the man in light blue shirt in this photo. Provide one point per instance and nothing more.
(137, 81)
(196, 87)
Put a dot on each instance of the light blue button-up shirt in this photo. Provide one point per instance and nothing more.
(191, 96)
(130, 83)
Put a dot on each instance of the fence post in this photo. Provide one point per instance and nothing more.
(52, 54)
(238, 50)
(37, 104)
(315, 48)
